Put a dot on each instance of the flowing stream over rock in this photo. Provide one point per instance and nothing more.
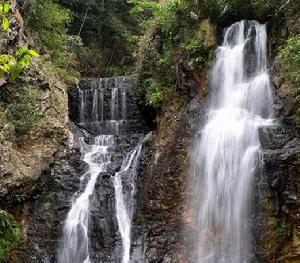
(226, 154)
(75, 234)
(125, 200)
(103, 111)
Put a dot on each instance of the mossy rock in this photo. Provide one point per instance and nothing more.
(9, 235)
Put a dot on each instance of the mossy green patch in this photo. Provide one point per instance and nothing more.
(289, 58)
(9, 235)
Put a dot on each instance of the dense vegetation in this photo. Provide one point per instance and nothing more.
(179, 33)
(90, 38)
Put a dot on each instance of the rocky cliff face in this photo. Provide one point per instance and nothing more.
(33, 120)
(26, 156)
(277, 221)
(33, 131)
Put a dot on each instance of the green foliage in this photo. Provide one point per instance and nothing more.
(23, 114)
(156, 94)
(9, 235)
(284, 230)
(48, 20)
(87, 36)
(142, 6)
(4, 11)
(197, 50)
(289, 58)
(10, 65)
(13, 66)
(108, 31)
(114, 71)
(174, 35)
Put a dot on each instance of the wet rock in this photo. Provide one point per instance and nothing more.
(106, 244)
(47, 210)
(275, 136)
(276, 203)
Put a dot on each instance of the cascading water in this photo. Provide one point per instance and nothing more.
(225, 156)
(102, 110)
(75, 247)
(125, 199)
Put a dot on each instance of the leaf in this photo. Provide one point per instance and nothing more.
(33, 53)
(136, 10)
(6, 59)
(5, 67)
(21, 51)
(6, 8)
(25, 61)
(15, 72)
(5, 23)
(1, 9)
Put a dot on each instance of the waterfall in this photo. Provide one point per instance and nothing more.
(125, 199)
(102, 107)
(225, 155)
(75, 245)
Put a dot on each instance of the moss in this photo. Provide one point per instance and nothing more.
(9, 235)
(63, 74)
(289, 59)
(21, 109)
(284, 230)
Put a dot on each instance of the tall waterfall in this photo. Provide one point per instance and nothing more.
(225, 155)
(102, 110)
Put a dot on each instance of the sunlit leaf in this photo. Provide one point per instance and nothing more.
(6, 8)
(33, 53)
(5, 23)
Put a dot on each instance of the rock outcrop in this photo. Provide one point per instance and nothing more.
(33, 122)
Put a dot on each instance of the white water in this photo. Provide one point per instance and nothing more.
(93, 102)
(224, 158)
(125, 199)
(75, 244)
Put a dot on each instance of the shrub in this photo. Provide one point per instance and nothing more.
(289, 58)
(156, 94)
(175, 34)
(49, 21)
(13, 66)
(9, 235)
(23, 114)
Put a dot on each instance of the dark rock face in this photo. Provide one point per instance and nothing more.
(46, 212)
(162, 229)
(276, 136)
(105, 240)
(276, 219)
(104, 236)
